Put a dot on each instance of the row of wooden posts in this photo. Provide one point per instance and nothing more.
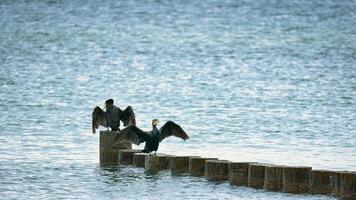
(290, 179)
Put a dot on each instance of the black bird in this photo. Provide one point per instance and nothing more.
(152, 138)
(112, 116)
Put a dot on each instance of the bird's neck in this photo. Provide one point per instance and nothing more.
(155, 129)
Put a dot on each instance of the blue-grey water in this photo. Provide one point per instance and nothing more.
(266, 81)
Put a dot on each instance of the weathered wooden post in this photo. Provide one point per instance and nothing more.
(238, 173)
(296, 179)
(126, 156)
(256, 175)
(139, 159)
(196, 165)
(273, 178)
(335, 182)
(180, 164)
(320, 182)
(216, 170)
(348, 185)
(109, 155)
(157, 162)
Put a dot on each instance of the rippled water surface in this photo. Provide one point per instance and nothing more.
(266, 81)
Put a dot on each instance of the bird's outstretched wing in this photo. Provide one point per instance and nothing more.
(170, 128)
(128, 116)
(133, 134)
(98, 119)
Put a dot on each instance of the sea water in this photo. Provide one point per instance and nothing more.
(265, 81)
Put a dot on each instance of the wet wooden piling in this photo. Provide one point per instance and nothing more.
(290, 179)
(256, 175)
(296, 179)
(238, 173)
(273, 177)
(139, 159)
(196, 165)
(320, 182)
(180, 164)
(109, 155)
(348, 185)
(335, 182)
(126, 156)
(216, 170)
(157, 162)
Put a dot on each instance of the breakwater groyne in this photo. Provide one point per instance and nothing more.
(271, 177)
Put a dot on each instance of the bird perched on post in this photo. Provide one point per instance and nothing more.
(112, 116)
(152, 138)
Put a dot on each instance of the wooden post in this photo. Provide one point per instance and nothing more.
(273, 178)
(256, 175)
(238, 173)
(217, 170)
(126, 156)
(348, 185)
(320, 182)
(335, 182)
(296, 179)
(108, 155)
(196, 165)
(157, 162)
(180, 164)
(139, 159)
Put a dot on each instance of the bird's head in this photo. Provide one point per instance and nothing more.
(109, 103)
(155, 122)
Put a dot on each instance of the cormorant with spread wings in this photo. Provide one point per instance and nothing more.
(152, 138)
(112, 116)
